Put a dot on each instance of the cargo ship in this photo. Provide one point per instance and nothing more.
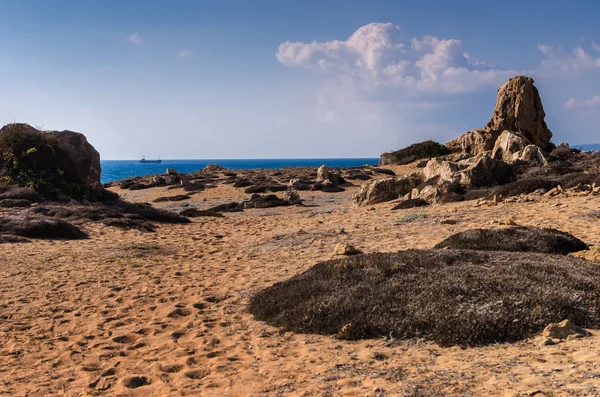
(144, 161)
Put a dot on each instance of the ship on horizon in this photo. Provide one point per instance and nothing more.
(144, 161)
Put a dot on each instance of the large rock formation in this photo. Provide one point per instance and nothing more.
(83, 158)
(57, 164)
(519, 108)
(382, 190)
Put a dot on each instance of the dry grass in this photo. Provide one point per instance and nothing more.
(515, 239)
(452, 297)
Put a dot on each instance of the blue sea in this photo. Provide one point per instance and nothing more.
(114, 170)
(587, 148)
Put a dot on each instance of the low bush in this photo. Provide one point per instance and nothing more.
(427, 149)
(517, 239)
(452, 297)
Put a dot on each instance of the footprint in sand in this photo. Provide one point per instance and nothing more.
(179, 312)
(133, 382)
(171, 368)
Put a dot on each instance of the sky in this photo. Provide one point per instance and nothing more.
(290, 78)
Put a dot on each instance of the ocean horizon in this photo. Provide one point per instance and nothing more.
(114, 170)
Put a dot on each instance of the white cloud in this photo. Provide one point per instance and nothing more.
(596, 47)
(593, 102)
(568, 63)
(185, 53)
(375, 56)
(135, 38)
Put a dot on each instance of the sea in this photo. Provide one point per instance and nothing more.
(114, 170)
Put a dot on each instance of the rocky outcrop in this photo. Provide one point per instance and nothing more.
(386, 159)
(519, 108)
(83, 159)
(382, 190)
(322, 174)
(474, 171)
(513, 146)
(474, 142)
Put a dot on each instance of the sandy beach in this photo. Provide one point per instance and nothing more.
(133, 313)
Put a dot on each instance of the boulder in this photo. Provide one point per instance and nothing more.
(382, 190)
(292, 196)
(18, 193)
(346, 249)
(477, 171)
(474, 142)
(513, 146)
(563, 330)
(298, 184)
(84, 161)
(322, 174)
(519, 108)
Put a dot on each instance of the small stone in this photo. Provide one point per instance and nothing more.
(563, 330)
(346, 249)
(510, 222)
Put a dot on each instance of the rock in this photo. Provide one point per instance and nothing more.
(477, 171)
(171, 179)
(474, 142)
(157, 181)
(172, 171)
(346, 249)
(410, 203)
(292, 196)
(519, 108)
(242, 182)
(386, 159)
(323, 174)
(513, 146)
(563, 330)
(385, 171)
(382, 190)
(510, 222)
(563, 145)
(446, 170)
(508, 144)
(138, 186)
(298, 184)
(210, 168)
(592, 255)
(83, 158)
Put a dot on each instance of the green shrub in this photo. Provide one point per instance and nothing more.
(427, 149)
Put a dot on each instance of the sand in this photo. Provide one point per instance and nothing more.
(139, 314)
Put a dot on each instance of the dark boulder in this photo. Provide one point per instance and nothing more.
(39, 227)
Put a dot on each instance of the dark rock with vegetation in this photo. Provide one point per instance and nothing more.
(427, 149)
(515, 239)
(56, 164)
(452, 297)
(32, 226)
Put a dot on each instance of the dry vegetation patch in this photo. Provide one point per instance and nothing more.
(448, 296)
(516, 239)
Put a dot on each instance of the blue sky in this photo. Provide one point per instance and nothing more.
(276, 79)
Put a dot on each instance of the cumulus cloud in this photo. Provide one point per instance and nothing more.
(376, 56)
(135, 38)
(593, 102)
(185, 53)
